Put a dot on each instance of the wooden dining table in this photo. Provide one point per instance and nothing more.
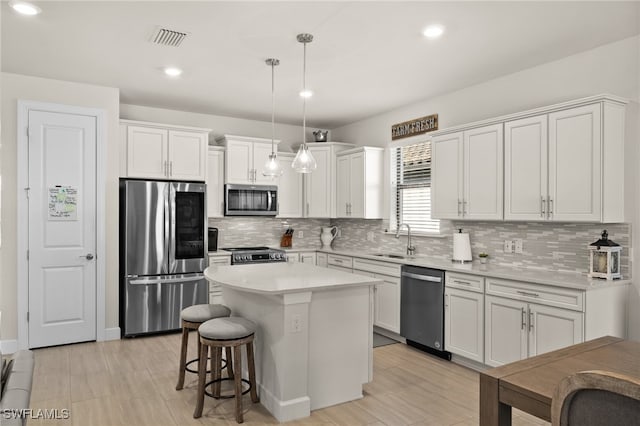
(529, 384)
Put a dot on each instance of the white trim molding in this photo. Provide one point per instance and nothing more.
(24, 106)
(8, 346)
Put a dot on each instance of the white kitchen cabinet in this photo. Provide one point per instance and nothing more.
(320, 185)
(245, 158)
(289, 188)
(215, 182)
(340, 268)
(321, 259)
(467, 178)
(553, 328)
(308, 257)
(505, 330)
(387, 303)
(157, 151)
(359, 183)
(293, 257)
(464, 316)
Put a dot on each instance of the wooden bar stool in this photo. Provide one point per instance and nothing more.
(231, 332)
(192, 318)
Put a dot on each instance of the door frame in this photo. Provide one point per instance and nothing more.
(22, 282)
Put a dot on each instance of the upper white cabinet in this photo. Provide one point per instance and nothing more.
(215, 182)
(359, 183)
(467, 174)
(562, 163)
(566, 166)
(157, 151)
(320, 185)
(289, 188)
(244, 159)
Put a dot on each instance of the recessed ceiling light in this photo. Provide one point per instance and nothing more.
(172, 71)
(306, 93)
(433, 31)
(25, 8)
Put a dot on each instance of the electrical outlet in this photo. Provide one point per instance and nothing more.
(296, 324)
(300, 234)
(517, 245)
(370, 236)
(508, 246)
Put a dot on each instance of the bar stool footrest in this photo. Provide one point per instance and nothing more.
(186, 367)
(206, 392)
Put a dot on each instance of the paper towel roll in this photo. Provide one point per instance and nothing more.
(461, 247)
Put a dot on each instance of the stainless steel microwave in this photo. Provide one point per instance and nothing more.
(250, 200)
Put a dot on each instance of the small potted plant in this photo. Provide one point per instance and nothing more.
(483, 257)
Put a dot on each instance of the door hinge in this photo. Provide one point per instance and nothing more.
(26, 191)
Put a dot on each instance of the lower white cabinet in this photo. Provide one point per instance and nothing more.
(387, 303)
(215, 291)
(293, 257)
(515, 330)
(321, 259)
(464, 323)
(308, 258)
(340, 268)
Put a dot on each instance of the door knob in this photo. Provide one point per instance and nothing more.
(88, 256)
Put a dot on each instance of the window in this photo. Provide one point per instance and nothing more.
(412, 187)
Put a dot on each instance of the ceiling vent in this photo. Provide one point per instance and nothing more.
(167, 37)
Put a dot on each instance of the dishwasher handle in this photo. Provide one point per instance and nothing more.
(422, 277)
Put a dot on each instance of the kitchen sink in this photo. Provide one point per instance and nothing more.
(391, 255)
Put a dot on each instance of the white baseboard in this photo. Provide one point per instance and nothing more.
(8, 346)
(112, 333)
(285, 411)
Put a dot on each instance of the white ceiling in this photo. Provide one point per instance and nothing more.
(366, 58)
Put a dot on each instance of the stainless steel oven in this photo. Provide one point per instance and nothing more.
(250, 200)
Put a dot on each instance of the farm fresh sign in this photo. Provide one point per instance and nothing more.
(414, 127)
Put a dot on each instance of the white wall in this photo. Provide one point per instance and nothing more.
(15, 87)
(288, 134)
(613, 68)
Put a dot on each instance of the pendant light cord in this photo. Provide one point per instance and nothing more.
(273, 105)
(304, 98)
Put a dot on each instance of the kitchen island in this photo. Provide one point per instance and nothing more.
(315, 332)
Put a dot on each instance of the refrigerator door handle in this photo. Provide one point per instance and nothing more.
(166, 280)
(171, 241)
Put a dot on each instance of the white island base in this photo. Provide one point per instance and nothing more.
(314, 342)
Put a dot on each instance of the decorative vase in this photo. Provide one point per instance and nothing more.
(327, 236)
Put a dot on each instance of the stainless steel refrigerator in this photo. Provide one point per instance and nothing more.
(163, 253)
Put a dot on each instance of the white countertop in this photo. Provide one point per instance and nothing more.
(284, 277)
(544, 277)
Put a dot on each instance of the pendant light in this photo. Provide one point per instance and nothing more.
(304, 161)
(272, 167)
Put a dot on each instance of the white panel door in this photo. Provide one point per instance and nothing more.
(261, 153)
(308, 258)
(505, 331)
(343, 185)
(483, 173)
(62, 228)
(238, 162)
(387, 303)
(147, 152)
(525, 169)
(187, 155)
(575, 164)
(553, 328)
(446, 176)
(215, 183)
(464, 323)
(318, 189)
(356, 185)
(289, 188)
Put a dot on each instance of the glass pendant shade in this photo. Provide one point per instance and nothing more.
(272, 167)
(304, 161)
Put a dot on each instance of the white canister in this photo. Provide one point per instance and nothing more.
(327, 235)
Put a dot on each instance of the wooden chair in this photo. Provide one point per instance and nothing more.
(590, 398)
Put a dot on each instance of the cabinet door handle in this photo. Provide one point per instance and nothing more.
(459, 206)
(550, 206)
(526, 293)
(464, 207)
(462, 282)
(524, 319)
(542, 206)
(307, 209)
(166, 168)
(170, 168)
(446, 301)
(530, 320)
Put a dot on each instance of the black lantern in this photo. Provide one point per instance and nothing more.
(604, 258)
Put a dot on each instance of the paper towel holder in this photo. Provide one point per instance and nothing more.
(461, 247)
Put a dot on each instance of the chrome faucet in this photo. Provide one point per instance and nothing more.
(411, 250)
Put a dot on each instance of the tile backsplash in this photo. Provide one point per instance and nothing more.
(265, 231)
(548, 246)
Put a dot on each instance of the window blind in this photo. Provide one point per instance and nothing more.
(413, 188)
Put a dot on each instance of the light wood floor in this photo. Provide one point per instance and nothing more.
(132, 382)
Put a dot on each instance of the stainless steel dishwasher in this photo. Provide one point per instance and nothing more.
(422, 309)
